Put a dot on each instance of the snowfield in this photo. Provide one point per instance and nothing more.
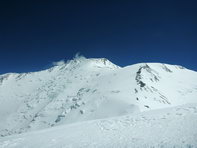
(95, 103)
(174, 127)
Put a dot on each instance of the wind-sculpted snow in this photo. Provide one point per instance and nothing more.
(168, 128)
(88, 89)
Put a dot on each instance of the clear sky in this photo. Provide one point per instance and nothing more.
(33, 34)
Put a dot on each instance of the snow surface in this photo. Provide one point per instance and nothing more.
(167, 128)
(62, 102)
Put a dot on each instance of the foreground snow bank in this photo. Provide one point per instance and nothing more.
(175, 127)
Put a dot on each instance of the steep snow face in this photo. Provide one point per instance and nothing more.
(167, 128)
(86, 89)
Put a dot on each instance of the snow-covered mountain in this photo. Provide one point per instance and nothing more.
(88, 89)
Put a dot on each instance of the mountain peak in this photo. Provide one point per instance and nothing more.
(81, 61)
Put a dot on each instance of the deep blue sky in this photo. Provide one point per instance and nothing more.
(33, 34)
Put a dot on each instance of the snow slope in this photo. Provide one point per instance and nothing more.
(164, 128)
(88, 89)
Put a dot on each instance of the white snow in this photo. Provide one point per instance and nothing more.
(174, 127)
(60, 104)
